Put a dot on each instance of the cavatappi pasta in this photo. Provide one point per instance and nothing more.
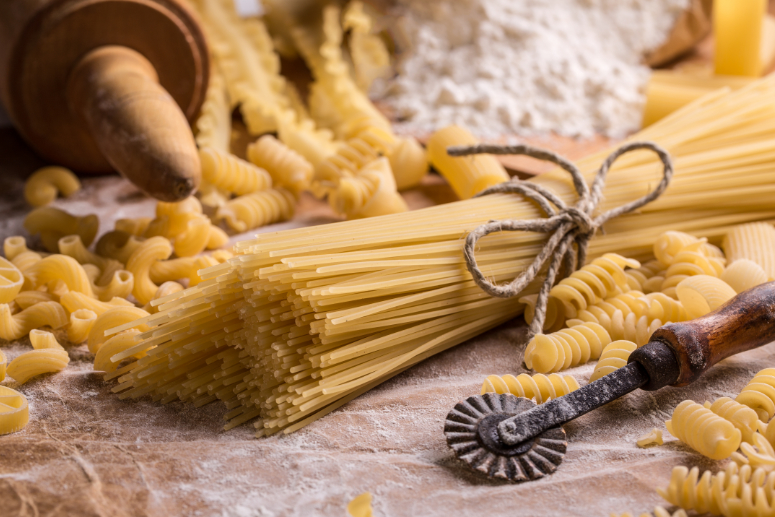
(14, 411)
(37, 362)
(44, 184)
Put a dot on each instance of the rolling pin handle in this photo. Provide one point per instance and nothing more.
(659, 361)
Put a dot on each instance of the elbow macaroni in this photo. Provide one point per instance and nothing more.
(140, 263)
(52, 224)
(18, 325)
(81, 323)
(37, 362)
(43, 185)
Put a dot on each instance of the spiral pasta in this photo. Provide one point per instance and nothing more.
(704, 431)
(741, 416)
(542, 388)
(60, 267)
(40, 339)
(704, 495)
(757, 452)
(755, 242)
(702, 294)
(37, 362)
(114, 345)
(15, 326)
(13, 246)
(52, 224)
(232, 174)
(288, 168)
(213, 127)
(258, 209)
(614, 356)
(566, 348)
(140, 263)
(112, 318)
(14, 411)
(44, 184)
(759, 394)
(688, 264)
(638, 278)
(81, 323)
(11, 281)
(743, 274)
(626, 316)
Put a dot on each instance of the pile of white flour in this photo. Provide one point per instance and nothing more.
(527, 66)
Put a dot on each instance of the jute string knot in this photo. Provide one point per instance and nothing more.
(568, 225)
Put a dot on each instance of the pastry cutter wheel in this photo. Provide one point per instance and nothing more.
(511, 438)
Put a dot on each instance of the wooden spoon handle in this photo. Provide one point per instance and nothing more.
(745, 322)
(137, 125)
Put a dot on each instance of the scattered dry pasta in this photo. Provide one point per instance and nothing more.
(81, 323)
(702, 294)
(213, 127)
(755, 242)
(40, 339)
(258, 209)
(741, 416)
(14, 411)
(52, 224)
(112, 318)
(44, 184)
(653, 437)
(137, 226)
(165, 289)
(3, 364)
(758, 453)
(73, 246)
(73, 301)
(11, 281)
(370, 192)
(37, 362)
(60, 267)
(360, 506)
(704, 431)
(540, 387)
(118, 245)
(18, 325)
(29, 298)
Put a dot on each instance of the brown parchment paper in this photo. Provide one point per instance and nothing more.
(87, 453)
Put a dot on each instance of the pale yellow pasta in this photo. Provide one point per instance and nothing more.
(755, 242)
(702, 294)
(72, 301)
(194, 239)
(114, 345)
(140, 263)
(653, 437)
(540, 387)
(14, 411)
(614, 356)
(190, 205)
(44, 184)
(222, 255)
(172, 269)
(370, 193)
(137, 226)
(566, 348)
(688, 263)
(704, 431)
(3, 364)
(165, 289)
(288, 168)
(72, 246)
(201, 263)
(118, 245)
(52, 224)
(60, 267)
(120, 286)
(468, 175)
(759, 394)
(213, 127)
(23, 261)
(37, 362)
(112, 318)
(11, 281)
(370, 56)
(360, 506)
(16, 326)
(670, 243)
(640, 279)
(81, 323)
(216, 238)
(706, 494)
(258, 209)
(232, 174)
(758, 453)
(741, 416)
(629, 316)
(212, 196)
(409, 162)
(743, 274)
(13, 246)
(40, 339)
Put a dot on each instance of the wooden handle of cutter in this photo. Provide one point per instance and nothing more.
(745, 322)
(136, 124)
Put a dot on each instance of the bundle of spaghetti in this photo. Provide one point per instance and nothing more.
(755, 242)
(301, 321)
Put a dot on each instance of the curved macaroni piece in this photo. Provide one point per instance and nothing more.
(120, 286)
(41, 314)
(115, 345)
(759, 394)
(118, 245)
(44, 184)
(37, 362)
(654, 437)
(81, 323)
(140, 263)
(704, 431)
(540, 387)
(258, 209)
(14, 411)
(702, 294)
(216, 238)
(755, 242)
(194, 239)
(11, 281)
(14, 245)
(29, 298)
(172, 269)
(24, 261)
(213, 127)
(52, 224)
(614, 356)
(3, 364)
(288, 168)
(60, 267)
(371, 192)
(743, 274)
(741, 416)
(40, 339)
(566, 348)
(113, 318)
(72, 301)
(165, 289)
(468, 175)
(72, 246)
(232, 174)
(137, 226)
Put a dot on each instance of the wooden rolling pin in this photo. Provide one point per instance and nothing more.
(101, 85)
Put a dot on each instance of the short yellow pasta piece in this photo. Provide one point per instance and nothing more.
(137, 226)
(113, 318)
(11, 281)
(14, 245)
(73, 246)
(18, 325)
(44, 184)
(741, 416)
(24, 261)
(140, 263)
(361, 506)
(468, 175)
(258, 209)
(40, 339)
(3, 364)
(370, 193)
(702, 294)
(614, 356)
(81, 323)
(232, 174)
(654, 437)
(37, 362)
(759, 394)
(540, 387)
(706, 494)
(118, 245)
(114, 345)
(29, 298)
(52, 224)
(213, 127)
(216, 238)
(288, 168)
(743, 274)
(704, 431)
(194, 239)
(72, 301)
(566, 348)
(14, 411)
(60, 267)
(120, 286)
(755, 242)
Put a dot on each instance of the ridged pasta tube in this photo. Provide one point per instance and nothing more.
(118, 245)
(14, 411)
(140, 263)
(72, 246)
(37, 362)
(52, 224)
(232, 174)
(29, 298)
(40, 339)
(60, 267)
(752, 241)
(42, 314)
(288, 168)
(258, 209)
(114, 345)
(468, 175)
(566, 348)
(759, 394)
(741, 416)
(704, 431)
(81, 323)
(540, 387)
(614, 356)
(113, 318)
(14, 245)
(743, 274)
(45, 183)
(702, 294)
(11, 281)
(72, 301)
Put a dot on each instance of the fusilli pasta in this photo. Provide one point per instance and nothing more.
(542, 388)
(759, 394)
(704, 431)
(258, 209)
(614, 356)
(288, 168)
(232, 174)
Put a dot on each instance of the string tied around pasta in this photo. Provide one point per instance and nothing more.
(567, 225)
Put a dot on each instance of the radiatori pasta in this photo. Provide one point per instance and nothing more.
(18, 325)
(52, 224)
(81, 323)
(37, 362)
(44, 184)
(704, 431)
(540, 387)
(11, 281)
(14, 411)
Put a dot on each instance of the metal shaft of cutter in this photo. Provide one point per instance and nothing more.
(556, 412)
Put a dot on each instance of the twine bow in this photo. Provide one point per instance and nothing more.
(567, 224)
